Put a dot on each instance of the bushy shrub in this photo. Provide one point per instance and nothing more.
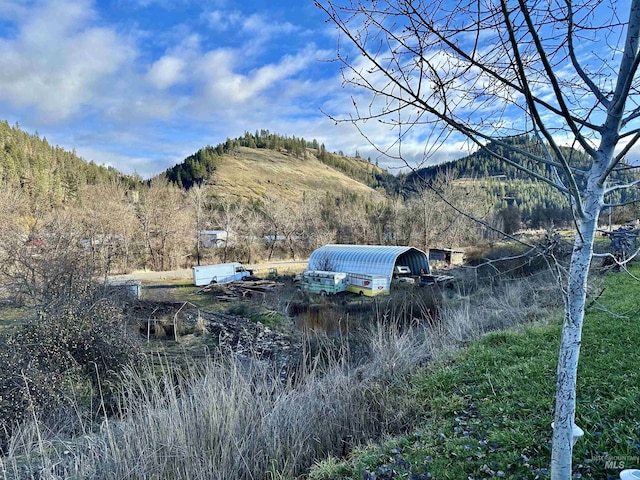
(25, 389)
(43, 359)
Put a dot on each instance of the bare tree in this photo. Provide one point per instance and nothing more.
(16, 227)
(228, 215)
(108, 221)
(250, 230)
(484, 72)
(198, 200)
(164, 223)
(316, 230)
(282, 224)
(438, 223)
(47, 267)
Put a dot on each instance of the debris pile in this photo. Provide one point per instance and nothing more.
(239, 290)
(245, 337)
(280, 352)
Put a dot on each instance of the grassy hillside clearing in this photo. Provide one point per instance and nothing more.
(252, 174)
(488, 410)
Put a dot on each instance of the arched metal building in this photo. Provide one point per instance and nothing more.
(369, 259)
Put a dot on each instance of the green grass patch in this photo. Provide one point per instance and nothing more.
(487, 411)
(258, 314)
(10, 315)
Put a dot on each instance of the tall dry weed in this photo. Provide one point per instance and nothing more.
(508, 304)
(235, 418)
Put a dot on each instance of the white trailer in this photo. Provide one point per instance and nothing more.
(219, 273)
(367, 284)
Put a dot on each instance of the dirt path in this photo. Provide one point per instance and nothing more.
(259, 269)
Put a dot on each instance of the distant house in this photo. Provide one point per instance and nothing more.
(212, 238)
(274, 238)
(100, 240)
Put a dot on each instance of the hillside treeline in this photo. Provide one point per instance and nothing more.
(47, 175)
(520, 199)
(537, 204)
(201, 166)
(126, 224)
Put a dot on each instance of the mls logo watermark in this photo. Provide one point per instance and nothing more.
(618, 462)
(614, 464)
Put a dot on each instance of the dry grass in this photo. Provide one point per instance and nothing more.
(254, 173)
(236, 418)
(512, 303)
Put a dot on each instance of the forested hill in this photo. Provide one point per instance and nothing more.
(202, 166)
(535, 202)
(48, 175)
(482, 164)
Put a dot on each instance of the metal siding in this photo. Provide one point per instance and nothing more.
(415, 260)
(370, 259)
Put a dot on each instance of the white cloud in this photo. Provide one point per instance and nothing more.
(256, 24)
(220, 20)
(166, 72)
(262, 26)
(57, 63)
(166, 4)
(12, 8)
(225, 83)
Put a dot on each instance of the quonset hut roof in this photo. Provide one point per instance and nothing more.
(370, 259)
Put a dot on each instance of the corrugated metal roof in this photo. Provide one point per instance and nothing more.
(371, 259)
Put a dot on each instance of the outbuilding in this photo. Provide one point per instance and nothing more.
(382, 260)
(447, 256)
(212, 238)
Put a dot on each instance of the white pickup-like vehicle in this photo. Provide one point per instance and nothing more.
(219, 273)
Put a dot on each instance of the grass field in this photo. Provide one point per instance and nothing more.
(487, 411)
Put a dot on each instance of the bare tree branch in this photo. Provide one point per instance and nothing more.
(576, 63)
(469, 67)
(621, 187)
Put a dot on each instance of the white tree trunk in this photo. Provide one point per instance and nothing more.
(572, 332)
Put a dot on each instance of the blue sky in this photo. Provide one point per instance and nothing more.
(141, 84)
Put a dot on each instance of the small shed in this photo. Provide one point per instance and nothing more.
(369, 259)
(448, 256)
(126, 288)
